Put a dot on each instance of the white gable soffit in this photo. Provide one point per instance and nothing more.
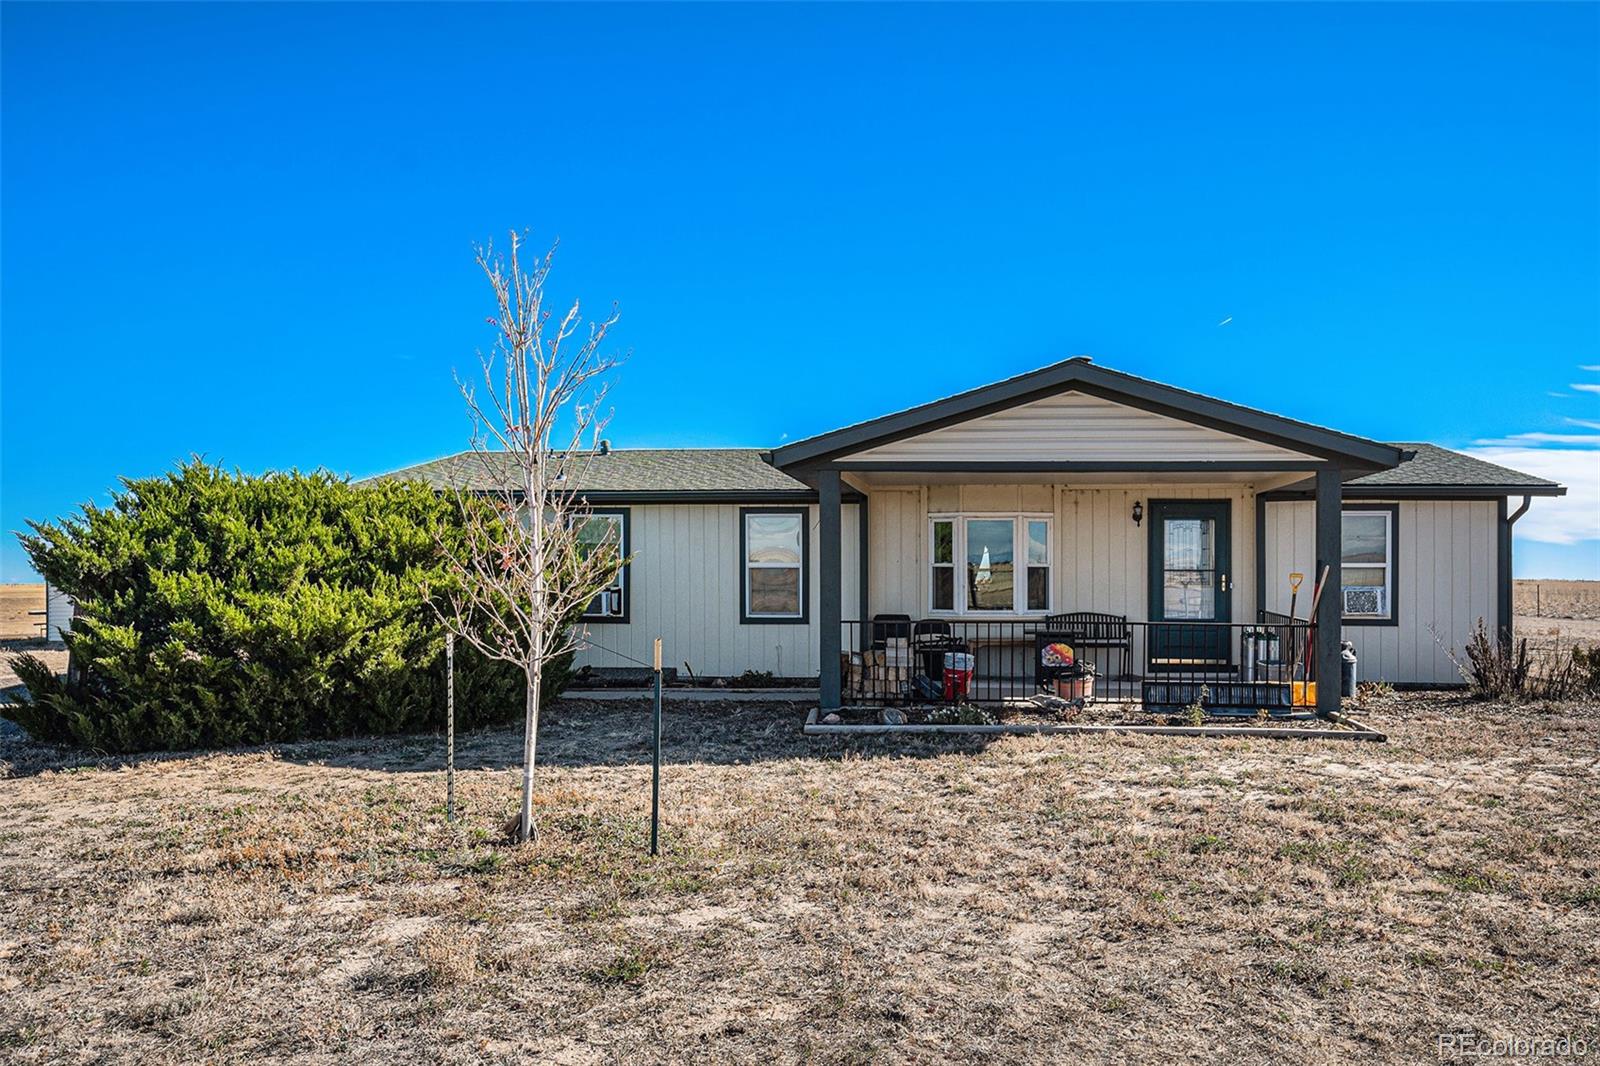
(1074, 427)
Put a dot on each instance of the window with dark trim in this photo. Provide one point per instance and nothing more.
(1369, 564)
(774, 558)
(608, 530)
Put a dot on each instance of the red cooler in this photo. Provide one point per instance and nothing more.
(958, 667)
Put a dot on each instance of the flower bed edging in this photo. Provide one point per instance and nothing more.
(1356, 730)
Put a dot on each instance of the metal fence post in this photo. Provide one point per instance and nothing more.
(655, 762)
(450, 728)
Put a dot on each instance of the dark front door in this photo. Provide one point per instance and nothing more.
(1191, 578)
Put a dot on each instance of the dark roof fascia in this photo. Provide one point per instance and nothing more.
(1185, 466)
(710, 496)
(1082, 376)
(617, 497)
(1421, 492)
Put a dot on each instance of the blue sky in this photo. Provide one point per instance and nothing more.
(245, 231)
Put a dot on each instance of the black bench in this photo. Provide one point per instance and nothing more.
(1096, 630)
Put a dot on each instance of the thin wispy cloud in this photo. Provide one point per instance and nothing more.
(1518, 440)
(1567, 519)
(1571, 458)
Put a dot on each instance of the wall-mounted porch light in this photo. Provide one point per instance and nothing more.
(1138, 512)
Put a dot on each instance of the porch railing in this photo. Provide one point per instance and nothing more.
(1161, 665)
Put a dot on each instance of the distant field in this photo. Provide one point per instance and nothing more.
(1558, 599)
(16, 601)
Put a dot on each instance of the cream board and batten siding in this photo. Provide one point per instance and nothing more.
(1099, 558)
(685, 579)
(58, 611)
(1447, 581)
(1074, 427)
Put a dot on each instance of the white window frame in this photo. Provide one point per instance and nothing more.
(1019, 542)
(1387, 565)
(953, 566)
(622, 517)
(803, 516)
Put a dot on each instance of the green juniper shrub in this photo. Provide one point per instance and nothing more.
(218, 609)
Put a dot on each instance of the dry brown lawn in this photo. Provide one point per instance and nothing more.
(1556, 599)
(1064, 898)
(16, 604)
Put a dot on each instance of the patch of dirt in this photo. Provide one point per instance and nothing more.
(53, 654)
(1544, 634)
(862, 899)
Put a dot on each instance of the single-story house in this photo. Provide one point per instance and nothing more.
(1074, 490)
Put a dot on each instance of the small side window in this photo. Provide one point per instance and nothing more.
(773, 567)
(607, 531)
(1367, 565)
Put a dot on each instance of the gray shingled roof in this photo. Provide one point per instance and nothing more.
(708, 470)
(1434, 467)
(742, 470)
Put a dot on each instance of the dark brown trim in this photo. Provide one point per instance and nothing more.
(1393, 510)
(1176, 466)
(627, 570)
(864, 555)
(1506, 623)
(830, 577)
(1261, 555)
(1079, 375)
(746, 619)
(1459, 493)
(753, 497)
(1327, 552)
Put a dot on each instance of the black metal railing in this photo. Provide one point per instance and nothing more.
(1163, 666)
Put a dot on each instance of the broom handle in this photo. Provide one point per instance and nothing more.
(1311, 631)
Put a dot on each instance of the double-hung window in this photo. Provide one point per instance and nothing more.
(607, 531)
(773, 552)
(989, 564)
(1368, 564)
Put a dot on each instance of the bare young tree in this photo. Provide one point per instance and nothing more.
(526, 566)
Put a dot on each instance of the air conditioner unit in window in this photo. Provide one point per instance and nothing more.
(1364, 600)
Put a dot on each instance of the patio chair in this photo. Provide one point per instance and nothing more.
(1096, 630)
(930, 639)
(887, 626)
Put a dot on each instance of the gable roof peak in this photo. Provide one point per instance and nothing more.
(1080, 374)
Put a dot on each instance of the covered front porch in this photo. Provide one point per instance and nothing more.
(1084, 509)
(1149, 577)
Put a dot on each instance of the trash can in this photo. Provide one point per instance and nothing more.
(958, 668)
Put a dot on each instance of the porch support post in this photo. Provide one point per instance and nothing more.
(829, 617)
(864, 568)
(1330, 504)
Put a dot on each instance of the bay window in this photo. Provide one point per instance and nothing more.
(1004, 564)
